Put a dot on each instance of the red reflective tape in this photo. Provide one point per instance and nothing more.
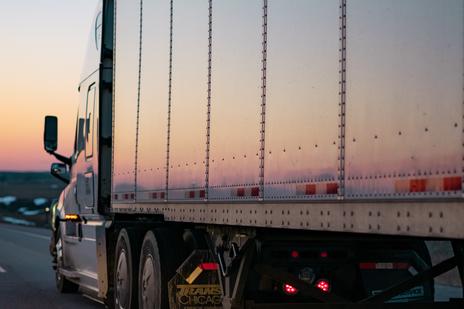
(366, 265)
(384, 265)
(452, 183)
(255, 191)
(241, 192)
(332, 188)
(310, 189)
(202, 193)
(126, 196)
(417, 185)
(209, 266)
(158, 195)
(191, 194)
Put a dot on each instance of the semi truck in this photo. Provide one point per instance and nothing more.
(264, 154)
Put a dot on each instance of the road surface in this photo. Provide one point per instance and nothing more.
(26, 276)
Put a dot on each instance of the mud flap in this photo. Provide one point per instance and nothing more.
(196, 283)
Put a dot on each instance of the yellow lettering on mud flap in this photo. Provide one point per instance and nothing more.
(199, 295)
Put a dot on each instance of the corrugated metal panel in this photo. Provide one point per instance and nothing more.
(188, 107)
(236, 99)
(125, 96)
(302, 99)
(153, 117)
(404, 115)
(404, 96)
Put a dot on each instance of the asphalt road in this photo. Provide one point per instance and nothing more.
(26, 276)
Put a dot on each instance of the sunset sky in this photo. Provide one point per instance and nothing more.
(43, 45)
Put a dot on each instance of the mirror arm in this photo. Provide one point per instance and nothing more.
(62, 158)
(64, 179)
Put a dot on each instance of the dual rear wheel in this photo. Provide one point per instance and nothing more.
(142, 271)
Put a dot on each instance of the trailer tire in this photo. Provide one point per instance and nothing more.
(151, 279)
(125, 273)
(63, 284)
(162, 251)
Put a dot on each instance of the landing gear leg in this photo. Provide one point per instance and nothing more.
(234, 276)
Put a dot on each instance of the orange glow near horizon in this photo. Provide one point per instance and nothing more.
(43, 46)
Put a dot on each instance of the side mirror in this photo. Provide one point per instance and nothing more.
(51, 134)
(59, 170)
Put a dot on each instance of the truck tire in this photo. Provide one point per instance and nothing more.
(162, 251)
(151, 279)
(125, 274)
(63, 285)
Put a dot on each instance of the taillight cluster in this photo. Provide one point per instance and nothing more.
(289, 290)
(322, 284)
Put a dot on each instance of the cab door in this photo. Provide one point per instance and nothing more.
(85, 177)
(82, 246)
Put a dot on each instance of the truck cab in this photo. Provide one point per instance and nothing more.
(77, 217)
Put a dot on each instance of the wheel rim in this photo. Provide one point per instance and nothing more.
(59, 258)
(148, 283)
(122, 282)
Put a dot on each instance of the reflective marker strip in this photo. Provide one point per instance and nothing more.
(197, 272)
(452, 183)
(124, 196)
(2, 270)
(245, 192)
(317, 188)
(209, 266)
(192, 194)
(157, 195)
(428, 185)
(194, 275)
(396, 265)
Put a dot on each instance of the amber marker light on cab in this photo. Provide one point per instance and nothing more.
(72, 217)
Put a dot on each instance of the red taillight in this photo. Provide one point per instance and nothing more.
(289, 290)
(323, 285)
(324, 254)
(294, 254)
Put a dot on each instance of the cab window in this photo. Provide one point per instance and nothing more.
(89, 121)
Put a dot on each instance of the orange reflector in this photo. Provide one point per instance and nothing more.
(198, 271)
(194, 275)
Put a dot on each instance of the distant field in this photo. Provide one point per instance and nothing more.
(29, 185)
(24, 196)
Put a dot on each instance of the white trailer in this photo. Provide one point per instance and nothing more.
(257, 154)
